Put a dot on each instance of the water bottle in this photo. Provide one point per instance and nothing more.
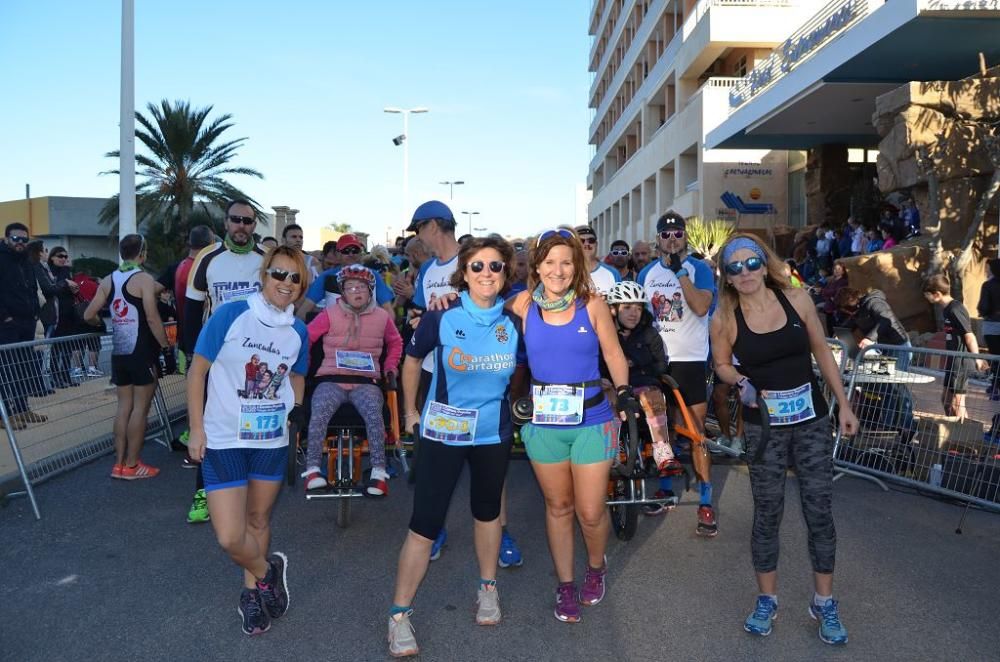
(936, 473)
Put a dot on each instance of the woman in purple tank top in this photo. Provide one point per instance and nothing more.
(573, 434)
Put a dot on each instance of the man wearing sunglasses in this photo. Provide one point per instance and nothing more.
(602, 276)
(680, 290)
(324, 290)
(18, 315)
(620, 259)
(228, 270)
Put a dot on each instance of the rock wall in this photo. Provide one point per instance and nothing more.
(941, 117)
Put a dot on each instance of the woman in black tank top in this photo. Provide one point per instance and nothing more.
(775, 331)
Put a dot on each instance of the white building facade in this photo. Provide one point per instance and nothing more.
(662, 75)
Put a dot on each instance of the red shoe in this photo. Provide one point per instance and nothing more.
(116, 471)
(140, 470)
(378, 485)
(707, 526)
(671, 467)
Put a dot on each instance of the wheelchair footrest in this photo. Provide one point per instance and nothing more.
(669, 501)
(335, 493)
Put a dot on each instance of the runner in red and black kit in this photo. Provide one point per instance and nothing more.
(138, 344)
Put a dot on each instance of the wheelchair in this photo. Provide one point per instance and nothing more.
(344, 447)
(634, 464)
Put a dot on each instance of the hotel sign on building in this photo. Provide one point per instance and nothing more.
(828, 23)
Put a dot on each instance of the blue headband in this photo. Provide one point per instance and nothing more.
(743, 242)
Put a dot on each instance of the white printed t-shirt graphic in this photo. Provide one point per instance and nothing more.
(243, 409)
(685, 335)
(219, 276)
(433, 280)
(603, 278)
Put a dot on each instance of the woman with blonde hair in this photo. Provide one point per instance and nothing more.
(775, 332)
(241, 440)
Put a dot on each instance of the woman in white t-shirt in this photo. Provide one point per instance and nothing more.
(241, 438)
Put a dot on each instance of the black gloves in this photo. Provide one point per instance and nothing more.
(626, 400)
(166, 362)
(674, 262)
(298, 418)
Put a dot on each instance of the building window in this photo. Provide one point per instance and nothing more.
(740, 68)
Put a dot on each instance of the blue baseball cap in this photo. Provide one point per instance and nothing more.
(428, 211)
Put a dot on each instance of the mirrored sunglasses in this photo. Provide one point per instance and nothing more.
(620, 252)
(672, 234)
(282, 275)
(562, 232)
(751, 264)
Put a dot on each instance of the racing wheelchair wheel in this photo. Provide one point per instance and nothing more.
(624, 473)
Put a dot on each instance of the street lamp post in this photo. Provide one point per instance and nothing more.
(469, 215)
(451, 188)
(403, 140)
(126, 124)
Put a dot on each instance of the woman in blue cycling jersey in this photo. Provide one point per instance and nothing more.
(466, 419)
(573, 435)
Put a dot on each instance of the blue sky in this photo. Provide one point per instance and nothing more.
(506, 84)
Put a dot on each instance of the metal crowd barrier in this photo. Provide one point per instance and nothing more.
(58, 415)
(905, 434)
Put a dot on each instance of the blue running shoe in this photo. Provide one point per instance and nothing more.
(439, 544)
(759, 622)
(510, 555)
(831, 630)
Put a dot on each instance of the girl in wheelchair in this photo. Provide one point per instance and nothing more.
(353, 332)
(647, 361)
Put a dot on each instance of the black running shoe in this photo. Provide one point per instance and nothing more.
(274, 589)
(255, 618)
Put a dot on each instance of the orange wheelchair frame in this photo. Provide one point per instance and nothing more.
(627, 482)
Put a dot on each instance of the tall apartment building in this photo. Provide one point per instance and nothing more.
(662, 74)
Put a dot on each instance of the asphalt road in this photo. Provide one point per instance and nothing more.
(113, 572)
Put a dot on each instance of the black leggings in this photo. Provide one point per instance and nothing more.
(811, 447)
(438, 469)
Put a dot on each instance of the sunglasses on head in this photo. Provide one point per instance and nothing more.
(18, 239)
(496, 266)
(562, 232)
(751, 263)
(619, 252)
(672, 234)
(282, 275)
(351, 250)
(245, 220)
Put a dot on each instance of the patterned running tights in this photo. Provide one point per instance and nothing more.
(327, 399)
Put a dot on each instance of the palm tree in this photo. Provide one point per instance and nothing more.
(184, 174)
(340, 227)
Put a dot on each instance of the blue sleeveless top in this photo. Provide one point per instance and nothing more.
(566, 354)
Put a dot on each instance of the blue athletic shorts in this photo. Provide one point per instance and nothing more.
(234, 467)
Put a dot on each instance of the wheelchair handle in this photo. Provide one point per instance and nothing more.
(391, 381)
(625, 470)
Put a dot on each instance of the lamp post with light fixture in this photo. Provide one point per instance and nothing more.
(469, 215)
(451, 188)
(402, 139)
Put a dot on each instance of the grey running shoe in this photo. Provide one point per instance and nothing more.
(489, 607)
(274, 587)
(402, 643)
(255, 618)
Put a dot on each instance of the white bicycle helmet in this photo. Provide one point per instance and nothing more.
(627, 291)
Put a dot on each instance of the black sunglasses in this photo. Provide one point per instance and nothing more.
(496, 266)
(282, 275)
(351, 250)
(751, 263)
(60, 256)
(18, 239)
(245, 220)
(589, 241)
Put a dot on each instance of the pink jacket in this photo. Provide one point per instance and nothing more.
(364, 333)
